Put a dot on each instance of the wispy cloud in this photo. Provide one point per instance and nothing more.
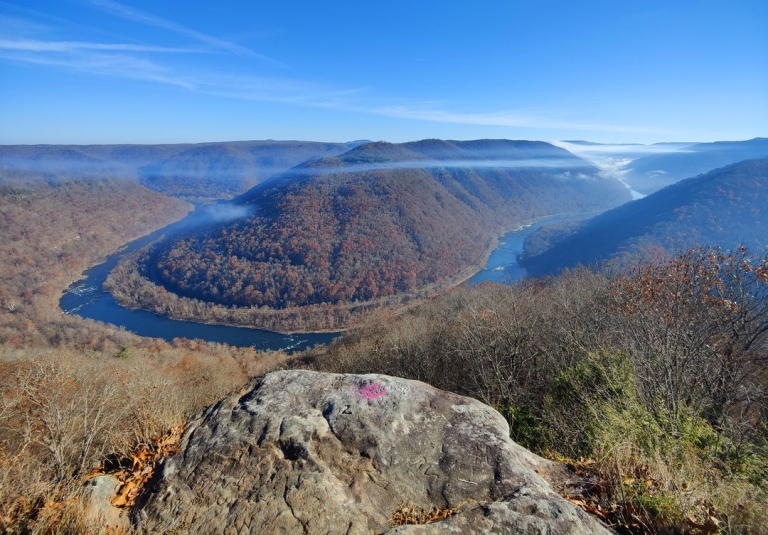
(503, 118)
(141, 62)
(117, 65)
(17, 26)
(143, 17)
(31, 45)
(20, 42)
(138, 62)
(444, 116)
(277, 89)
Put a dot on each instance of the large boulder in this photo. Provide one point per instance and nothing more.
(307, 452)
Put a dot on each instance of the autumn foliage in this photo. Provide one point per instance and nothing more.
(75, 393)
(369, 225)
(655, 378)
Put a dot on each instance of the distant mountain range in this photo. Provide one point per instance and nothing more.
(223, 170)
(671, 144)
(655, 171)
(727, 206)
(61, 163)
(210, 171)
(336, 223)
(193, 171)
(378, 220)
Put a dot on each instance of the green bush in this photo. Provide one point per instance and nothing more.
(525, 428)
(667, 468)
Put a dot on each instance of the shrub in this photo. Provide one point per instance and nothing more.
(656, 376)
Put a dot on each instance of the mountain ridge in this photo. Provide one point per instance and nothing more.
(721, 207)
(350, 233)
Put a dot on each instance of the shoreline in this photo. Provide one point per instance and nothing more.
(407, 300)
(71, 281)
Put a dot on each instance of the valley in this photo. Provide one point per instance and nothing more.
(380, 225)
(653, 172)
(383, 267)
(724, 207)
(437, 212)
(87, 298)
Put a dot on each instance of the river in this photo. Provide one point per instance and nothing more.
(502, 264)
(87, 298)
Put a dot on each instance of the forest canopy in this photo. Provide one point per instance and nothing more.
(380, 220)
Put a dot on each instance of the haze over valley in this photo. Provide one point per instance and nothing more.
(321, 244)
(350, 267)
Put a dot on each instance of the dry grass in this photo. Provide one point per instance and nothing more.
(75, 393)
(411, 514)
(64, 415)
(567, 361)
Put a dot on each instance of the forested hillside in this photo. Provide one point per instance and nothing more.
(380, 220)
(724, 207)
(50, 232)
(76, 392)
(651, 385)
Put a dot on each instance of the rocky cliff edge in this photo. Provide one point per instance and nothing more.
(317, 453)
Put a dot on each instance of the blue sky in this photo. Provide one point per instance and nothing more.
(131, 71)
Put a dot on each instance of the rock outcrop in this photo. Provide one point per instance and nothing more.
(307, 452)
(97, 509)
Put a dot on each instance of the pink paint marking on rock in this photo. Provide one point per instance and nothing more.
(372, 391)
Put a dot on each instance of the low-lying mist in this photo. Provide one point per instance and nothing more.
(224, 212)
(613, 160)
(13, 167)
(548, 163)
(209, 216)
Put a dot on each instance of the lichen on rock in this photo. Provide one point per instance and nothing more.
(308, 452)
